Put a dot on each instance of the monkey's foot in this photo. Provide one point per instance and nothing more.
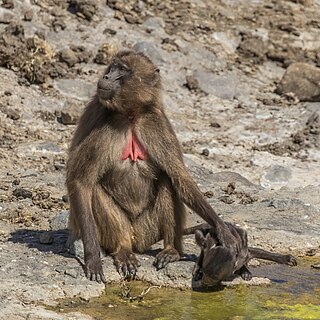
(93, 270)
(197, 273)
(126, 263)
(166, 256)
(245, 273)
(289, 260)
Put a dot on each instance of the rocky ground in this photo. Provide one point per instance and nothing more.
(242, 90)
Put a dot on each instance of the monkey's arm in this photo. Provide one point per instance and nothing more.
(80, 204)
(82, 176)
(166, 152)
(272, 256)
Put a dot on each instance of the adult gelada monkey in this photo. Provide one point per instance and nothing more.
(126, 179)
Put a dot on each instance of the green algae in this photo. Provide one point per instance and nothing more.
(263, 302)
(293, 294)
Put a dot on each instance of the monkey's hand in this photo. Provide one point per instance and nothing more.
(126, 263)
(166, 256)
(289, 260)
(93, 269)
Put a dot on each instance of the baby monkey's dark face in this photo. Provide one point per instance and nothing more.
(130, 81)
(216, 262)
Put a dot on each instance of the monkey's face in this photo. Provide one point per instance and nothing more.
(130, 81)
(218, 262)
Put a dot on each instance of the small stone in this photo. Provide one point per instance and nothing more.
(222, 86)
(70, 113)
(69, 57)
(28, 15)
(16, 182)
(75, 88)
(22, 193)
(109, 31)
(58, 24)
(12, 114)
(132, 19)
(46, 238)
(150, 50)
(278, 173)
(8, 4)
(76, 248)
(226, 199)
(104, 54)
(302, 80)
(6, 16)
(192, 82)
(215, 125)
(59, 165)
(205, 152)
(60, 221)
(315, 266)
(72, 273)
(208, 194)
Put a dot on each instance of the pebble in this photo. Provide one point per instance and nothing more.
(46, 238)
(302, 80)
(149, 49)
(60, 221)
(70, 113)
(69, 57)
(6, 16)
(22, 193)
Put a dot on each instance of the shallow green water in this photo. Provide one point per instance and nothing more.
(294, 294)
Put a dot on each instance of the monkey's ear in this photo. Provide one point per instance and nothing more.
(200, 239)
(156, 77)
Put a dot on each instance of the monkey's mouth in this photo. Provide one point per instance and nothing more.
(105, 93)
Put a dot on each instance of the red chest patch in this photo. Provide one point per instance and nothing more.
(133, 150)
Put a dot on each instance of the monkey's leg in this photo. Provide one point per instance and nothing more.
(276, 257)
(245, 273)
(115, 233)
(172, 213)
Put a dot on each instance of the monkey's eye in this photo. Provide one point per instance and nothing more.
(124, 68)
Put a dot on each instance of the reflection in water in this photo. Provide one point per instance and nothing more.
(283, 299)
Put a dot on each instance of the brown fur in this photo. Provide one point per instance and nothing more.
(217, 263)
(122, 205)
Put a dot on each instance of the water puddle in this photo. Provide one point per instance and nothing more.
(293, 294)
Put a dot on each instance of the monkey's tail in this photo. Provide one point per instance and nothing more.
(191, 230)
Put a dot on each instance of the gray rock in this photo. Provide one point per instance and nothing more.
(37, 147)
(222, 86)
(13, 114)
(22, 193)
(60, 221)
(72, 273)
(302, 80)
(228, 40)
(276, 176)
(46, 238)
(154, 25)
(70, 113)
(69, 57)
(150, 50)
(75, 88)
(76, 248)
(6, 16)
(278, 173)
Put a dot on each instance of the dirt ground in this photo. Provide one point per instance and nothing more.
(252, 146)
